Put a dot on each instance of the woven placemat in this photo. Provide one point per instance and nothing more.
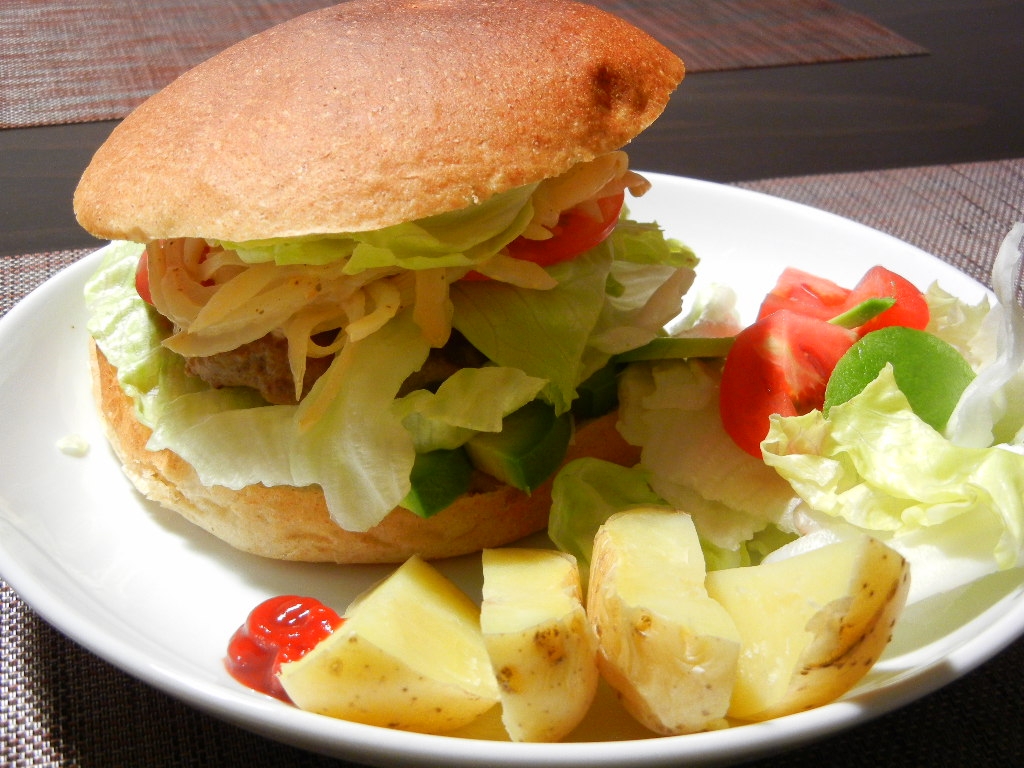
(67, 61)
(62, 706)
(959, 213)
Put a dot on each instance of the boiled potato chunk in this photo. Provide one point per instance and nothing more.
(667, 648)
(812, 625)
(410, 655)
(542, 649)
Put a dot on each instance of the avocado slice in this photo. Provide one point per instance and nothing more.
(438, 478)
(530, 447)
(599, 393)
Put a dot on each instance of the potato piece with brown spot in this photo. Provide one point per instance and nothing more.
(410, 655)
(542, 649)
(667, 648)
(812, 625)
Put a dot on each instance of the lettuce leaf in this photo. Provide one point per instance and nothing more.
(456, 239)
(469, 401)
(607, 300)
(875, 465)
(360, 450)
(991, 409)
(670, 409)
(588, 491)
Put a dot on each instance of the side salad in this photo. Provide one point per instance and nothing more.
(750, 446)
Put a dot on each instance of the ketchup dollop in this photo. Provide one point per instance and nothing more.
(278, 630)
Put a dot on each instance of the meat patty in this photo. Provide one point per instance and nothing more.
(263, 365)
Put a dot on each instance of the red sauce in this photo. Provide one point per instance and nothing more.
(278, 630)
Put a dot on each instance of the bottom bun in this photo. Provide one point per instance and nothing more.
(290, 523)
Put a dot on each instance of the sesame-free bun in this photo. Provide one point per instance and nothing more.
(289, 523)
(372, 113)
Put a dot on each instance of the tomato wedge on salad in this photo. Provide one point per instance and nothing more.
(782, 363)
(815, 296)
(911, 307)
(805, 294)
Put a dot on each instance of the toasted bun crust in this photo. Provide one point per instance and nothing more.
(288, 523)
(375, 112)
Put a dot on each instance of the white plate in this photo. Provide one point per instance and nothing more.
(158, 598)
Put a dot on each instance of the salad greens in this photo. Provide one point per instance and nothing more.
(952, 504)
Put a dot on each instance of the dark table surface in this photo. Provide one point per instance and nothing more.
(963, 102)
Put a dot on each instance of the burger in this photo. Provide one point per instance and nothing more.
(370, 271)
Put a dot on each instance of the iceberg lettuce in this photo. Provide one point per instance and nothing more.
(670, 409)
(955, 512)
(456, 239)
(991, 409)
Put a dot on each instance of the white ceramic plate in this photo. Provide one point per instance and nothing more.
(158, 598)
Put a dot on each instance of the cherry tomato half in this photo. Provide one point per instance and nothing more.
(806, 294)
(911, 307)
(780, 364)
(576, 232)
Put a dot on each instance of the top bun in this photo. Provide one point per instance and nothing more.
(372, 113)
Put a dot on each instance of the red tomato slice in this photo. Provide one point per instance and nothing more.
(576, 232)
(780, 364)
(910, 309)
(806, 294)
(142, 278)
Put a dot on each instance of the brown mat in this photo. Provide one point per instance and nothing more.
(68, 61)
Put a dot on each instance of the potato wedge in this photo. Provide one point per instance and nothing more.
(667, 648)
(541, 646)
(410, 655)
(812, 625)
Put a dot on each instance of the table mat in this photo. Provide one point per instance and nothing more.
(63, 706)
(66, 61)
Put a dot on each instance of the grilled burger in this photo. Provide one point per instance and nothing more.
(371, 269)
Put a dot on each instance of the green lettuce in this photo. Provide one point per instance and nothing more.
(459, 238)
(588, 491)
(955, 512)
(604, 303)
(469, 401)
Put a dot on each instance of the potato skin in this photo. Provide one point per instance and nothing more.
(668, 650)
(541, 646)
